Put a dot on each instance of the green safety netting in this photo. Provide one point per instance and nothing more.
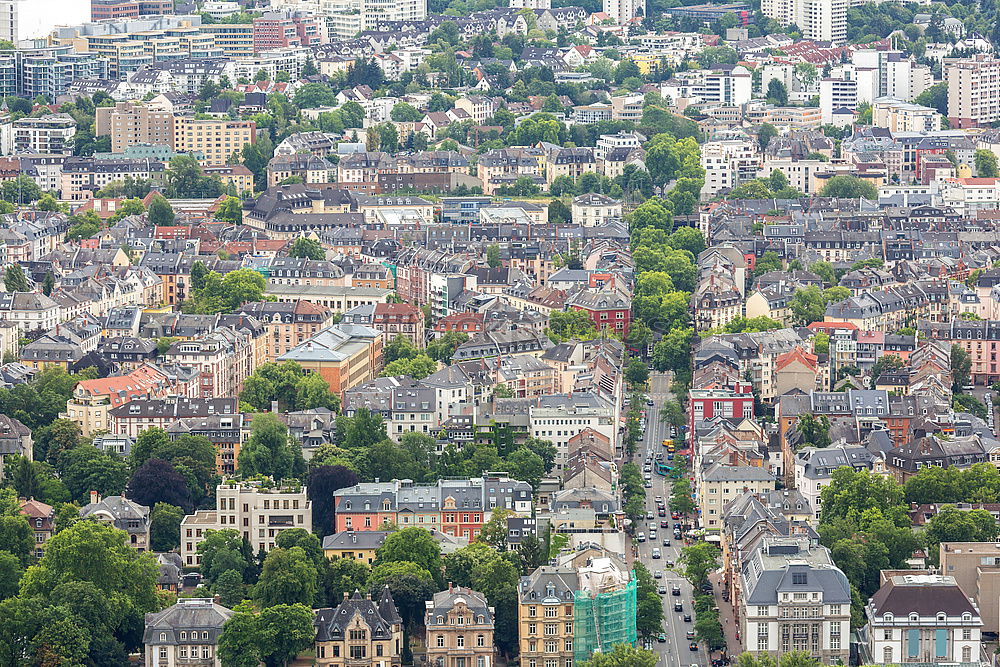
(601, 621)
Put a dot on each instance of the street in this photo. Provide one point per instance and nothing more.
(675, 651)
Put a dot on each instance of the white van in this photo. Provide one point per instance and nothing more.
(641, 536)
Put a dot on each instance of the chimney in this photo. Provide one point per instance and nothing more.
(274, 406)
(346, 594)
(449, 587)
(94, 497)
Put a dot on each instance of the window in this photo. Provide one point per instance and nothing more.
(966, 654)
(887, 655)
(357, 652)
(480, 640)
(913, 643)
(460, 641)
(966, 634)
(940, 642)
(550, 612)
(440, 641)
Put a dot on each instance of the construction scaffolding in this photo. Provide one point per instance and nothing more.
(604, 610)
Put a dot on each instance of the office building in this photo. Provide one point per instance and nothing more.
(101, 10)
(922, 618)
(897, 116)
(973, 91)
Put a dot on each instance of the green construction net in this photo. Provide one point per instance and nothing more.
(601, 621)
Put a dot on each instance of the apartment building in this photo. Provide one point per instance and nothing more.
(560, 418)
(259, 511)
(973, 91)
(728, 163)
(721, 483)
(727, 85)
(289, 324)
(82, 177)
(135, 123)
(217, 140)
(47, 71)
(276, 30)
(459, 627)
(93, 400)
(186, 633)
(899, 116)
(235, 39)
(623, 11)
(975, 567)
(52, 133)
(223, 358)
(138, 415)
(820, 20)
(101, 10)
(595, 210)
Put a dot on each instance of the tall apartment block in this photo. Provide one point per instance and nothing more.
(821, 20)
(973, 91)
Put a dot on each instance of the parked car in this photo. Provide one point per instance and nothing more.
(666, 542)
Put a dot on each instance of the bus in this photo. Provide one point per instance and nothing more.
(663, 469)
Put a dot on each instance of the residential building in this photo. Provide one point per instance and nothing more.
(217, 140)
(819, 20)
(728, 163)
(123, 514)
(459, 625)
(721, 483)
(289, 323)
(15, 440)
(794, 599)
(186, 633)
(360, 545)
(52, 133)
(899, 116)
(973, 91)
(135, 123)
(813, 469)
(922, 618)
(93, 400)
(42, 519)
(623, 11)
(360, 632)
(258, 511)
(595, 210)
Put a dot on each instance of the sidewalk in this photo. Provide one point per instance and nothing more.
(726, 617)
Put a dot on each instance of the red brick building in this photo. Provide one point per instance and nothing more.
(274, 31)
(468, 323)
(609, 309)
(735, 402)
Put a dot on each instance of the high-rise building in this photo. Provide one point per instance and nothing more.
(973, 91)
(622, 11)
(820, 20)
(216, 139)
(134, 123)
(47, 71)
(35, 19)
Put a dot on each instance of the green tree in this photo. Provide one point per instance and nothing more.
(165, 527)
(951, 524)
(274, 636)
(414, 545)
(223, 550)
(622, 655)
(777, 93)
(405, 113)
(493, 255)
(885, 364)
(307, 248)
(288, 577)
(765, 133)
(573, 324)
(417, 368)
(846, 186)
(230, 589)
(961, 368)
(851, 492)
(815, 431)
(699, 560)
(268, 451)
(411, 586)
(230, 210)
(636, 373)
(15, 280)
(160, 212)
(314, 95)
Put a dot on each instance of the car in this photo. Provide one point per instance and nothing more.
(658, 574)
(662, 637)
(640, 536)
(666, 541)
(647, 469)
(687, 618)
(968, 387)
(678, 606)
(669, 563)
(652, 533)
(677, 534)
(648, 484)
(677, 526)
(661, 513)
(649, 516)
(648, 476)
(656, 553)
(690, 634)
(659, 500)
(693, 646)
(662, 590)
(664, 524)
(675, 516)
(649, 402)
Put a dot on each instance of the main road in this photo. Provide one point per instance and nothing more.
(675, 651)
